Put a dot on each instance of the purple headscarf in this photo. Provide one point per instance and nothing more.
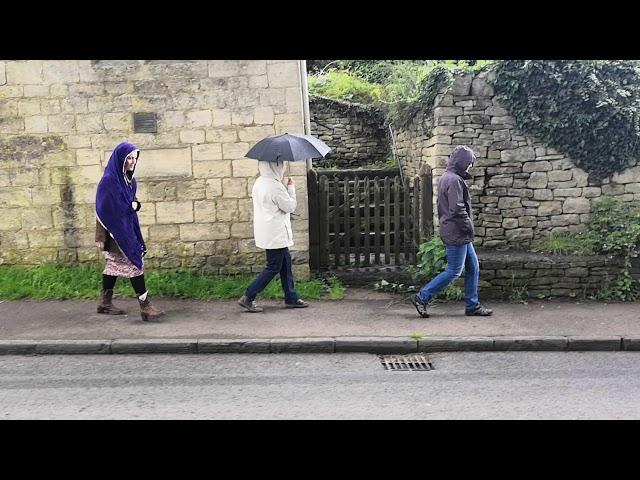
(114, 210)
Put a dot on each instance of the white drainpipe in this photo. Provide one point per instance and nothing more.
(305, 103)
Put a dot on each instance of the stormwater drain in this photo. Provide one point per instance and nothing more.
(406, 363)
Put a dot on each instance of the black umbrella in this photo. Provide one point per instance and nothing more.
(288, 147)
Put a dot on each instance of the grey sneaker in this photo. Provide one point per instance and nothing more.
(297, 304)
(479, 311)
(249, 305)
(421, 307)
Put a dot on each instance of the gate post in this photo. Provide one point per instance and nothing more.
(314, 221)
(426, 213)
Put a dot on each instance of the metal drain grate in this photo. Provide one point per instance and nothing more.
(406, 363)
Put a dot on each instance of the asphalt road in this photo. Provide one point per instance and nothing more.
(487, 385)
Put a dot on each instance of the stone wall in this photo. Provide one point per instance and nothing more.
(412, 142)
(60, 120)
(540, 275)
(522, 189)
(356, 133)
(527, 274)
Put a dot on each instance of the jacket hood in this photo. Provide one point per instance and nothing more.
(271, 170)
(460, 159)
(116, 165)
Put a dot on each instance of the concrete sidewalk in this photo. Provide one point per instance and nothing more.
(364, 321)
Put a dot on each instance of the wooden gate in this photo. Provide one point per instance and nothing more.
(362, 218)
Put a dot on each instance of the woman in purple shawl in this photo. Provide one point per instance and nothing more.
(118, 231)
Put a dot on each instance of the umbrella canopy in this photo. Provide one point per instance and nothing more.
(288, 147)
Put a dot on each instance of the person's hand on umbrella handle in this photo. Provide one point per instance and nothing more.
(290, 182)
(100, 245)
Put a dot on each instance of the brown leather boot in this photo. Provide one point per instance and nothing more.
(106, 306)
(148, 311)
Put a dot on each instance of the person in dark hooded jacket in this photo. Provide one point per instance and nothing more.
(457, 233)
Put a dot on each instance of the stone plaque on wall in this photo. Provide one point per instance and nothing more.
(145, 123)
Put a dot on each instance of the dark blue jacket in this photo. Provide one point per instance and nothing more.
(454, 201)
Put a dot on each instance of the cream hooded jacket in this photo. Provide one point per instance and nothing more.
(272, 205)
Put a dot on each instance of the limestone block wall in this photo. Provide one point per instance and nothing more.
(521, 189)
(60, 120)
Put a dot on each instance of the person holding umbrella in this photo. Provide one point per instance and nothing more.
(273, 204)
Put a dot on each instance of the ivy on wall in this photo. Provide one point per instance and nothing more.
(589, 109)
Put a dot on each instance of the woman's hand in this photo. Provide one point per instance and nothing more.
(290, 182)
(100, 245)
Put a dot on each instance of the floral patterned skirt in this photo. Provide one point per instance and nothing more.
(119, 266)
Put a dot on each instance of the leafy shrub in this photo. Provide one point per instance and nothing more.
(414, 89)
(344, 86)
(614, 230)
(432, 257)
(402, 88)
(616, 224)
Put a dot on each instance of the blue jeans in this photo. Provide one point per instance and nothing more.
(459, 258)
(278, 262)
